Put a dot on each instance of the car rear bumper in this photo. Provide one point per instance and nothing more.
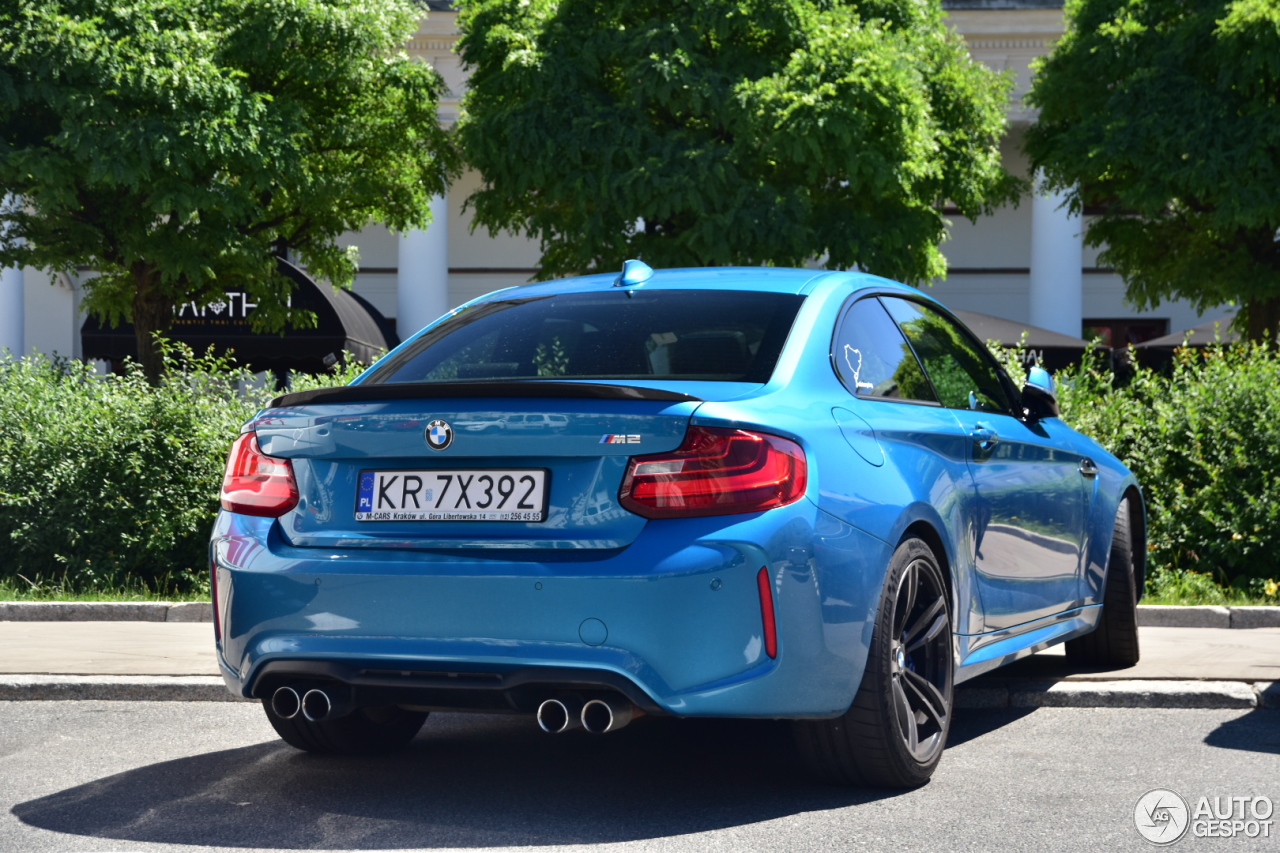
(673, 621)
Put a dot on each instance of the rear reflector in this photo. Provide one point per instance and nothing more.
(213, 592)
(766, 613)
(716, 472)
(257, 484)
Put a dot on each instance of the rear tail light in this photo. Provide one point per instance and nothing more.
(716, 472)
(257, 484)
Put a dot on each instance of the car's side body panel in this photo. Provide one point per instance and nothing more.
(1030, 519)
(982, 653)
(1065, 552)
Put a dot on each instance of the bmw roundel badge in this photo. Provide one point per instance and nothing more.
(439, 435)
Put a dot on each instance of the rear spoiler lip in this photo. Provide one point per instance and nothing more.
(439, 390)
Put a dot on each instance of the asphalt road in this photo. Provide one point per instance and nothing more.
(146, 776)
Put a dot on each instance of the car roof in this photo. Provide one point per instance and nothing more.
(763, 279)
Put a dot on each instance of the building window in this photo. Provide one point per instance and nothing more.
(1122, 332)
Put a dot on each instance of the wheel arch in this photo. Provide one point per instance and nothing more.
(927, 533)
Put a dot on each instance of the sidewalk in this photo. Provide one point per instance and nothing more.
(1180, 667)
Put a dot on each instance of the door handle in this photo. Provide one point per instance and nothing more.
(985, 437)
(1088, 467)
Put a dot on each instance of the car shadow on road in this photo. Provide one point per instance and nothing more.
(466, 781)
(1256, 731)
(972, 724)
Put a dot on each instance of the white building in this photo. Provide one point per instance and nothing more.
(1026, 263)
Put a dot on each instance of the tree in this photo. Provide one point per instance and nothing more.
(1161, 117)
(706, 132)
(176, 146)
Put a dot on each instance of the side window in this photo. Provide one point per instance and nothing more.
(872, 358)
(964, 375)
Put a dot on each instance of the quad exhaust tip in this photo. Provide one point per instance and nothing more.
(606, 715)
(561, 714)
(566, 713)
(316, 705)
(285, 703)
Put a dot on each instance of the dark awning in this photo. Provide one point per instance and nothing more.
(1215, 331)
(1051, 350)
(345, 322)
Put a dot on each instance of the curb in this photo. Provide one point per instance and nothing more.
(1031, 694)
(1255, 617)
(1207, 616)
(120, 688)
(1149, 615)
(1173, 616)
(1120, 694)
(105, 611)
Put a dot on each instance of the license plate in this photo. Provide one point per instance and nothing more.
(518, 494)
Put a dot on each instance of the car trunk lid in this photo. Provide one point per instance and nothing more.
(376, 443)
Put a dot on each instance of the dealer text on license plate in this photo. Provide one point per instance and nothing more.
(455, 495)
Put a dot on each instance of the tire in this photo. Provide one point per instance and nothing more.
(1114, 643)
(364, 731)
(893, 734)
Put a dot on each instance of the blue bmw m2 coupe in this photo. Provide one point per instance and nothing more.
(768, 493)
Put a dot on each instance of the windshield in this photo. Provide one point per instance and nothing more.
(725, 335)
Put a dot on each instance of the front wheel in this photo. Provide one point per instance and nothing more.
(894, 732)
(1114, 643)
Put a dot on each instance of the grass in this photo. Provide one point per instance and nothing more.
(1225, 598)
(1182, 587)
(22, 589)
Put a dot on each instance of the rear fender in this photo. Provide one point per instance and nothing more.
(947, 542)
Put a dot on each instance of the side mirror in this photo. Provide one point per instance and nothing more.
(1039, 396)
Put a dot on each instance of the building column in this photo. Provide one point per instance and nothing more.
(72, 283)
(422, 283)
(1057, 280)
(12, 309)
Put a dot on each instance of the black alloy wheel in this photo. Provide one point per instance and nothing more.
(920, 661)
(894, 733)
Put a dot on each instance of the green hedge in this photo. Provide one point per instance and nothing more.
(106, 482)
(1204, 442)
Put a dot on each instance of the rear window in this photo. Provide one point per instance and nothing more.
(731, 336)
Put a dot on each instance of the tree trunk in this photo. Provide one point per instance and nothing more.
(152, 313)
(1262, 320)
